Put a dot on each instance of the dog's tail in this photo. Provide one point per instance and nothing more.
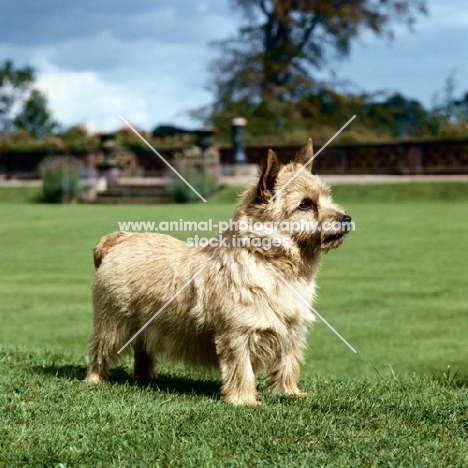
(106, 243)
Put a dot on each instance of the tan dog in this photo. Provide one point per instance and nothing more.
(241, 312)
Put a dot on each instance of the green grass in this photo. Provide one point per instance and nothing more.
(20, 194)
(396, 290)
(414, 192)
(49, 418)
(411, 192)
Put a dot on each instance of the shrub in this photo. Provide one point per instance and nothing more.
(202, 183)
(60, 179)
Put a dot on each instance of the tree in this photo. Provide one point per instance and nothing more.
(14, 84)
(22, 106)
(273, 57)
(34, 117)
(399, 115)
(461, 107)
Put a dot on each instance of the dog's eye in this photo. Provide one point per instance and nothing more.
(305, 205)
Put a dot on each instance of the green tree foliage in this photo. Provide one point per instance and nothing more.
(461, 108)
(266, 72)
(396, 114)
(76, 138)
(14, 85)
(22, 106)
(35, 117)
(447, 111)
(274, 55)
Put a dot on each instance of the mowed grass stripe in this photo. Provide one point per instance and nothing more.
(396, 290)
(48, 417)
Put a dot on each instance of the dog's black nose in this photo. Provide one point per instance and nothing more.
(345, 219)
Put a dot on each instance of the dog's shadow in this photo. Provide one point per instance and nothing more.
(167, 383)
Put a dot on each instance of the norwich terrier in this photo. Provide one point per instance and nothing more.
(238, 303)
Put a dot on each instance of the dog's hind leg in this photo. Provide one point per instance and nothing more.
(285, 373)
(144, 363)
(98, 360)
(103, 351)
(237, 375)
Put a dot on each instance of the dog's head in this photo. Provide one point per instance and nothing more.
(296, 202)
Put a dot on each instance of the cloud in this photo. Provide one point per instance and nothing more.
(148, 60)
(416, 63)
(44, 22)
(85, 97)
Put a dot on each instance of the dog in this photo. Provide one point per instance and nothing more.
(231, 304)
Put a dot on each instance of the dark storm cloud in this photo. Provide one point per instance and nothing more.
(48, 22)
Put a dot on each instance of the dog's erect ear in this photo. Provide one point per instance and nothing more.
(266, 184)
(306, 154)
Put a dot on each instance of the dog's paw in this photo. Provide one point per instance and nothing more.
(145, 376)
(254, 404)
(93, 379)
(243, 402)
(295, 392)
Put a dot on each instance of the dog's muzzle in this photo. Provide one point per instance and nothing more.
(333, 239)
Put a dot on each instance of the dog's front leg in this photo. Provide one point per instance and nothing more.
(285, 373)
(144, 363)
(237, 375)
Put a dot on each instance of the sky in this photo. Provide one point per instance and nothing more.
(148, 60)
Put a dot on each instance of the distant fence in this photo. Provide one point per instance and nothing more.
(422, 157)
(415, 157)
(24, 163)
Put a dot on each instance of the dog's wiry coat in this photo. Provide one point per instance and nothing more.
(238, 314)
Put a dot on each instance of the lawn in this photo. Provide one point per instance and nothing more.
(396, 290)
